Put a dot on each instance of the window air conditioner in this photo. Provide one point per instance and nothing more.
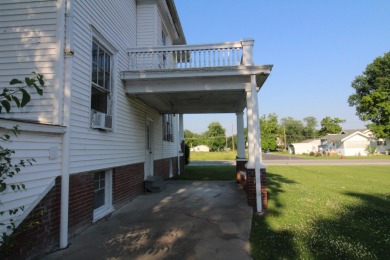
(101, 121)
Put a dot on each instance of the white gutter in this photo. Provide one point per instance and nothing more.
(68, 8)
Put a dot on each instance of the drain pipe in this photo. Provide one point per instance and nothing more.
(64, 217)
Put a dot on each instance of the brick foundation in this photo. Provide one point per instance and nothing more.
(127, 183)
(250, 188)
(33, 241)
(39, 232)
(80, 202)
(161, 167)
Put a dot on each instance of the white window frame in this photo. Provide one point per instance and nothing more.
(107, 208)
(168, 128)
(97, 37)
(107, 90)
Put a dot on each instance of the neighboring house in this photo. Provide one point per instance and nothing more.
(347, 143)
(382, 145)
(200, 148)
(304, 147)
(119, 77)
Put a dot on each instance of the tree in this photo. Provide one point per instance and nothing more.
(372, 96)
(309, 130)
(269, 130)
(216, 139)
(19, 97)
(294, 130)
(330, 125)
(191, 139)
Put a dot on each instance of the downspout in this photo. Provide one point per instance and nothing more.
(68, 7)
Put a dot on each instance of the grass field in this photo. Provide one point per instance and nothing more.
(231, 155)
(325, 212)
(319, 212)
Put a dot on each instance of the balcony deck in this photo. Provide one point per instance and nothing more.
(208, 78)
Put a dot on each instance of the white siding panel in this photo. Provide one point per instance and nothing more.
(38, 178)
(28, 42)
(146, 25)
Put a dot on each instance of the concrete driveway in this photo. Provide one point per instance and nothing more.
(188, 220)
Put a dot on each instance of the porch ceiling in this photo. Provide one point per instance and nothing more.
(191, 91)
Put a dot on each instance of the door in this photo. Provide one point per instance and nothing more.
(149, 149)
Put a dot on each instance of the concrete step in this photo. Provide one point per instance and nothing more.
(154, 184)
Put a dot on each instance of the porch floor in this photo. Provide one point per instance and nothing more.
(188, 220)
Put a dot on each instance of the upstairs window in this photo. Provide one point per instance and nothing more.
(168, 127)
(101, 79)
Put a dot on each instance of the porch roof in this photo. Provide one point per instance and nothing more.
(195, 90)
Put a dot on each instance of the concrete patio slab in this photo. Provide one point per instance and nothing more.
(188, 220)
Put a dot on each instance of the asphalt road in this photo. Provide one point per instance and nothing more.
(272, 159)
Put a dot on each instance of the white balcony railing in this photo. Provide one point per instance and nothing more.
(192, 56)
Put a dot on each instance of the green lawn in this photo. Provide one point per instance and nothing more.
(214, 172)
(318, 212)
(231, 155)
(212, 156)
(325, 212)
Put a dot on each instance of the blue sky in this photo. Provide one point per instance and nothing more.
(317, 48)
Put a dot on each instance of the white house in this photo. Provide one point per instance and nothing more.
(200, 148)
(119, 76)
(304, 147)
(347, 143)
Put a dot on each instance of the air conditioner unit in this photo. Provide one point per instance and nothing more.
(101, 121)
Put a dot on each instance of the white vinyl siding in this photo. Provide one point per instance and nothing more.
(37, 178)
(146, 25)
(92, 150)
(28, 42)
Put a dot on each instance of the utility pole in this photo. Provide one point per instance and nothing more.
(285, 139)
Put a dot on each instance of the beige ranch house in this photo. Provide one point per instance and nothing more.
(119, 76)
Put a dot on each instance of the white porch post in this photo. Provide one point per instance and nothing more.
(179, 146)
(247, 52)
(240, 136)
(255, 160)
(181, 128)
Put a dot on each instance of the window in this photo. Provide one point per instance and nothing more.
(168, 127)
(102, 197)
(381, 143)
(99, 189)
(101, 79)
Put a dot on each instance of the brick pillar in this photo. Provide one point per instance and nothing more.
(251, 188)
(240, 166)
(264, 194)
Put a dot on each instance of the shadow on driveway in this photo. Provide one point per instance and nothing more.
(188, 220)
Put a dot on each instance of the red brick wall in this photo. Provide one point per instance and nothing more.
(127, 183)
(161, 167)
(39, 232)
(80, 202)
(251, 188)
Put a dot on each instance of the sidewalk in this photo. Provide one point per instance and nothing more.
(188, 220)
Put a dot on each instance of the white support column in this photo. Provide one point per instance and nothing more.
(251, 136)
(240, 136)
(181, 128)
(180, 151)
(255, 160)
